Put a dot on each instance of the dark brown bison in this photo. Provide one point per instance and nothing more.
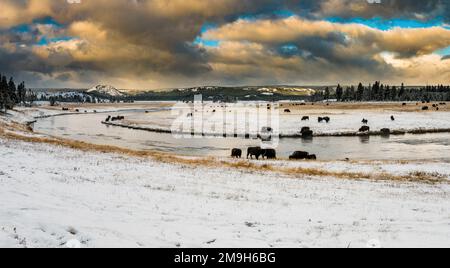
(392, 118)
(117, 118)
(312, 157)
(326, 119)
(108, 118)
(425, 108)
(269, 154)
(307, 132)
(236, 153)
(287, 111)
(365, 121)
(404, 104)
(65, 109)
(299, 155)
(305, 129)
(254, 152)
(385, 131)
(305, 118)
(364, 129)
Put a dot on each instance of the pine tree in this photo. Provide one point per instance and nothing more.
(339, 92)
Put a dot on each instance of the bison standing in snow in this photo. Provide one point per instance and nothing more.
(254, 152)
(236, 153)
(364, 129)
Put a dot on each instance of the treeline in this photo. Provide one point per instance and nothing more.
(380, 92)
(12, 95)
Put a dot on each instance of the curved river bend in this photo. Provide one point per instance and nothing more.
(88, 128)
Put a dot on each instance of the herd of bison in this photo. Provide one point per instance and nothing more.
(306, 132)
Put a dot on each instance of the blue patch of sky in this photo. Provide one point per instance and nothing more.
(386, 24)
(44, 40)
(444, 52)
(199, 40)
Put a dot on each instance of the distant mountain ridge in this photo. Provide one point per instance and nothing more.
(106, 90)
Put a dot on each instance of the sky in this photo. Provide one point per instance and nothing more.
(157, 44)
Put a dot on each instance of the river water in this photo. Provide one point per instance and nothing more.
(88, 128)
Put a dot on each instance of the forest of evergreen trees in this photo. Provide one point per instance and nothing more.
(380, 92)
(10, 94)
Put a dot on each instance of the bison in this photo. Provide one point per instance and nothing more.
(299, 155)
(287, 111)
(305, 118)
(236, 153)
(385, 132)
(108, 118)
(425, 108)
(365, 121)
(65, 109)
(269, 153)
(307, 132)
(254, 152)
(326, 119)
(311, 157)
(364, 129)
(392, 118)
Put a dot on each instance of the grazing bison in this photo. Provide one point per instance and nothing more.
(269, 154)
(365, 121)
(307, 132)
(65, 109)
(77, 110)
(254, 151)
(326, 119)
(364, 129)
(312, 157)
(404, 104)
(117, 118)
(236, 153)
(108, 118)
(392, 118)
(299, 155)
(305, 118)
(287, 111)
(425, 108)
(385, 132)
(305, 129)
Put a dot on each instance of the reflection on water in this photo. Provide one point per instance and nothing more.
(404, 147)
(364, 139)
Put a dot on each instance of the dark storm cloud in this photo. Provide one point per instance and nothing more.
(153, 40)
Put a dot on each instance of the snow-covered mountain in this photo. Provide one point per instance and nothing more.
(106, 90)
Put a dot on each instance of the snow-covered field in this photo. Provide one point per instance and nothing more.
(53, 197)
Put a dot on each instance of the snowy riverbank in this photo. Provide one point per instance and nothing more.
(51, 195)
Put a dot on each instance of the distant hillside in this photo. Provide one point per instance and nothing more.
(106, 90)
(227, 94)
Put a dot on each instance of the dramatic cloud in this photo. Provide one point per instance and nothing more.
(168, 43)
